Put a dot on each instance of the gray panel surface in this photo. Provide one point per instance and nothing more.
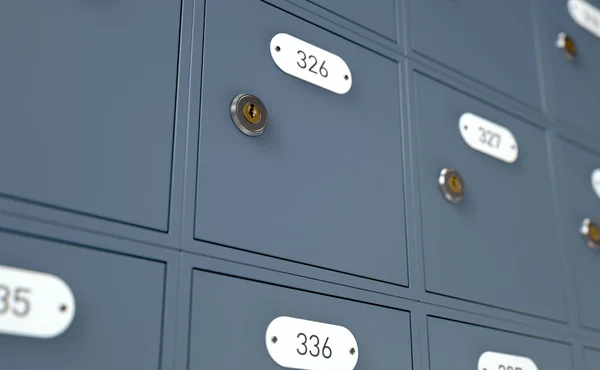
(578, 201)
(119, 307)
(87, 105)
(377, 15)
(491, 42)
(456, 345)
(229, 317)
(499, 246)
(574, 84)
(309, 219)
(324, 184)
(591, 358)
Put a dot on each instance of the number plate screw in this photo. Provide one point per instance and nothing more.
(591, 232)
(62, 308)
(249, 114)
(452, 185)
(274, 339)
(567, 45)
(352, 351)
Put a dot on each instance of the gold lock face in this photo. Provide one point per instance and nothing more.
(452, 185)
(252, 113)
(570, 46)
(567, 45)
(455, 183)
(249, 114)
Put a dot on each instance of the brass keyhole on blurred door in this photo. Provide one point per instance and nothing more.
(455, 184)
(252, 113)
(591, 232)
(452, 185)
(249, 114)
(567, 45)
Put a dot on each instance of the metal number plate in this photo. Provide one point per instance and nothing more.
(488, 137)
(596, 181)
(34, 304)
(310, 63)
(301, 344)
(501, 361)
(586, 15)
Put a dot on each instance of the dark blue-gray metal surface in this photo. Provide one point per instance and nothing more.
(123, 174)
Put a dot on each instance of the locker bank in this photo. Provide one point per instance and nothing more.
(300, 184)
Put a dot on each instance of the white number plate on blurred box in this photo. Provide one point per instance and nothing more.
(34, 304)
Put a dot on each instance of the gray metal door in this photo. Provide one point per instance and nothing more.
(118, 315)
(579, 201)
(572, 81)
(457, 345)
(323, 185)
(490, 42)
(230, 316)
(499, 246)
(87, 104)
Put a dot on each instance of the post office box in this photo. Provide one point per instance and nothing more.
(378, 16)
(574, 80)
(578, 201)
(499, 245)
(591, 358)
(230, 317)
(118, 308)
(457, 345)
(493, 43)
(323, 183)
(87, 106)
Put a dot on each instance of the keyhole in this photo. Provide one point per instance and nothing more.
(455, 184)
(252, 113)
(570, 47)
(566, 43)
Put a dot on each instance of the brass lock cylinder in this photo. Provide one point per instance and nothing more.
(452, 185)
(249, 114)
(565, 43)
(591, 233)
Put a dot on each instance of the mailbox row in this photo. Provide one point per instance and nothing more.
(71, 307)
